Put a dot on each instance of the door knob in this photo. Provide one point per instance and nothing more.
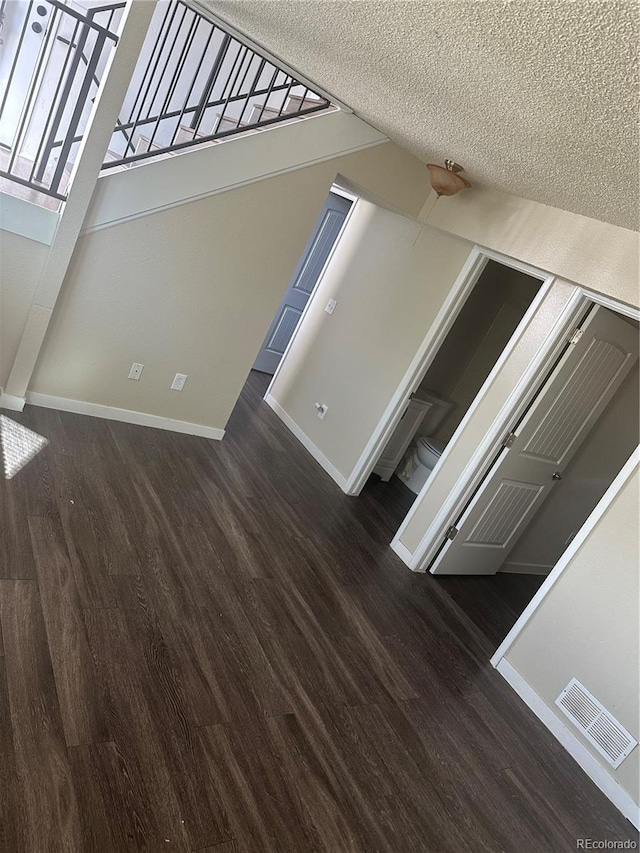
(557, 476)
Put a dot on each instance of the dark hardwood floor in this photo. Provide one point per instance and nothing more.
(206, 646)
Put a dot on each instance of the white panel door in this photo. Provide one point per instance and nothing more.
(543, 443)
(303, 281)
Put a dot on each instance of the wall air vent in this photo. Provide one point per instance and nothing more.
(598, 726)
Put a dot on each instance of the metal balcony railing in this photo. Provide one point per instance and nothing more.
(195, 83)
(52, 57)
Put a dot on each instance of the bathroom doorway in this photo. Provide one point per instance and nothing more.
(485, 323)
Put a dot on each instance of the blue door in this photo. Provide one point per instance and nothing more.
(313, 258)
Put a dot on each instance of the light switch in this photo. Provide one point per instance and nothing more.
(331, 306)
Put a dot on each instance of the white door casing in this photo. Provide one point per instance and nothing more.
(542, 444)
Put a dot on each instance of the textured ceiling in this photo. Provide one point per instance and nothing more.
(534, 97)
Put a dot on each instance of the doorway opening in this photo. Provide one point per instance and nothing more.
(563, 451)
(325, 233)
(485, 324)
(597, 462)
(566, 456)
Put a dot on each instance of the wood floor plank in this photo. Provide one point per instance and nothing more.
(159, 680)
(16, 557)
(48, 807)
(11, 827)
(262, 806)
(135, 730)
(81, 696)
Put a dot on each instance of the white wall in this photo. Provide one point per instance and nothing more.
(389, 278)
(193, 288)
(21, 263)
(587, 477)
(595, 254)
(588, 627)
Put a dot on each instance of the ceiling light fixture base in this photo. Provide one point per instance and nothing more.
(447, 180)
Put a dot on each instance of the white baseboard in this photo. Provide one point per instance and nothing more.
(578, 751)
(403, 552)
(14, 404)
(96, 410)
(306, 442)
(524, 569)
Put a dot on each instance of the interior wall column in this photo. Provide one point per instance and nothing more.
(135, 23)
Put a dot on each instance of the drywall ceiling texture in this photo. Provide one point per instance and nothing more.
(536, 98)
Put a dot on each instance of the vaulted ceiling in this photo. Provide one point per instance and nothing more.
(534, 97)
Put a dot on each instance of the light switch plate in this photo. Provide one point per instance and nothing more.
(331, 306)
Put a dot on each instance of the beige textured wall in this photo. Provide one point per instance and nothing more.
(587, 251)
(587, 477)
(388, 292)
(21, 263)
(194, 288)
(588, 627)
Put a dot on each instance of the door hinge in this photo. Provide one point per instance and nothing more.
(452, 532)
(509, 440)
(575, 337)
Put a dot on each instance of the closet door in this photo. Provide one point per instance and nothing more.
(541, 446)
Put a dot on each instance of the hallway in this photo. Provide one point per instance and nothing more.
(207, 646)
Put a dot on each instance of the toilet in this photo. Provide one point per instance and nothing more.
(419, 461)
(424, 451)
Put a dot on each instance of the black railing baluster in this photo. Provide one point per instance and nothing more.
(26, 111)
(167, 63)
(54, 100)
(252, 90)
(212, 29)
(81, 103)
(286, 95)
(211, 82)
(268, 95)
(176, 74)
(155, 66)
(16, 57)
(226, 103)
(64, 99)
(244, 76)
(152, 57)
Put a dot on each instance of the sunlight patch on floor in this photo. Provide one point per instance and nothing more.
(19, 445)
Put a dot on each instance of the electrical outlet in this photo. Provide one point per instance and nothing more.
(178, 382)
(330, 306)
(136, 371)
(321, 409)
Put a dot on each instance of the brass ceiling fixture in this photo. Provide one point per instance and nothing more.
(447, 180)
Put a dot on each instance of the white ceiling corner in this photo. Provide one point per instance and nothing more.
(538, 98)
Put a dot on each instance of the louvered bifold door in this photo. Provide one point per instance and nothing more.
(542, 445)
